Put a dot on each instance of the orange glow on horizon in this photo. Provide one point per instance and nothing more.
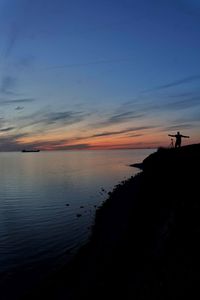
(109, 142)
(92, 141)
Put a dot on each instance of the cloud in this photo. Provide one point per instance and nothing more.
(10, 142)
(13, 36)
(19, 108)
(47, 119)
(8, 84)
(124, 117)
(181, 95)
(192, 118)
(135, 135)
(132, 145)
(67, 117)
(16, 101)
(107, 133)
(2, 121)
(185, 80)
(26, 61)
(166, 105)
(190, 8)
(83, 146)
(61, 144)
(6, 129)
(85, 64)
(183, 104)
(178, 126)
(120, 118)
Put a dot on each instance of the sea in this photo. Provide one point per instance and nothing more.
(48, 202)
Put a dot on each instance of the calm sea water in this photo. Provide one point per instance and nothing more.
(47, 206)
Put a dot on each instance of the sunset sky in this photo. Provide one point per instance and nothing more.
(88, 74)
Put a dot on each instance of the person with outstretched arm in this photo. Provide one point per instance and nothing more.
(178, 137)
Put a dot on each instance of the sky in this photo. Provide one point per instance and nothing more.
(88, 74)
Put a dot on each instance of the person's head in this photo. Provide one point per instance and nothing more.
(178, 132)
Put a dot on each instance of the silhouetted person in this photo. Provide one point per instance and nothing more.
(178, 137)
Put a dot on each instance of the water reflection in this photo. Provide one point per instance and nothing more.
(41, 195)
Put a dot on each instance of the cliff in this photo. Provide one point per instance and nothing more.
(146, 238)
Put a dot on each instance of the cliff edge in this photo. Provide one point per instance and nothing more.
(146, 238)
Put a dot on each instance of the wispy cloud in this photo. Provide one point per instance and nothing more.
(66, 117)
(178, 127)
(183, 104)
(8, 85)
(190, 8)
(135, 134)
(182, 95)
(26, 61)
(108, 133)
(117, 118)
(13, 36)
(16, 101)
(2, 121)
(47, 119)
(6, 129)
(90, 63)
(174, 83)
(10, 142)
(83, 146)
(19, 108)
(166, 104)
(56, 145)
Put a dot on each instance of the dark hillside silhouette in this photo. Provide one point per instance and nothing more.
(146, 239)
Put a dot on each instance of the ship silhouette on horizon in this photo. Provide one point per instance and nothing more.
(30, 150)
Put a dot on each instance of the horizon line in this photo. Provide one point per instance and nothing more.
(101, 149)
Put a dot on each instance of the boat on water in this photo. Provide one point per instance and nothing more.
(31, 150)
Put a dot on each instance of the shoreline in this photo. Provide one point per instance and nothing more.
(134, 249)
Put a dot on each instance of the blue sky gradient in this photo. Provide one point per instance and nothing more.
(98, 74)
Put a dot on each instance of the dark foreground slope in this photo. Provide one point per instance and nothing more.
(146, 238)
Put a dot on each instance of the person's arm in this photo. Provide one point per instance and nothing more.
(185, 136)
(171, 135)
